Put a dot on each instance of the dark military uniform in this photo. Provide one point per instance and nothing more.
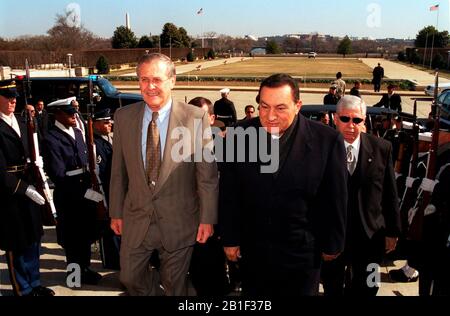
(434, 261)
(66, 161)
(20, 223)
(20, 218)
(109, 242)
(225, 111)
(104, 161)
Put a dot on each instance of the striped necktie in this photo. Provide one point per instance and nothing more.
(351, 160)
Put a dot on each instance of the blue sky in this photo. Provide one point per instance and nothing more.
(375, 18)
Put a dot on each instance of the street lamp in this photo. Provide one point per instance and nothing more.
(448, 59)
(70, 63)
(170, 47)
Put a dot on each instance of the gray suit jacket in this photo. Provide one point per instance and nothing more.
(186, 192)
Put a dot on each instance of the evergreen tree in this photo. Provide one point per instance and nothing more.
(145, 42)
(273, 48)
(425, 38)
(102, 65)
(345, 47)
(124, 38)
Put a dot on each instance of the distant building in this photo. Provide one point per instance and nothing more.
(258, 51)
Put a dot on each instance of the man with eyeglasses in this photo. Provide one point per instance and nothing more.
(161, 200)
(373, 220)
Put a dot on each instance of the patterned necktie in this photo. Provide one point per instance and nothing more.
(351, 160)
(153, 152)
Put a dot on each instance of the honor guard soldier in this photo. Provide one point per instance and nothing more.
(109, 242)
(224, 109)
(67, 167)
(20, 217)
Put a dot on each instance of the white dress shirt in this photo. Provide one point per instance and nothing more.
(163, 126)
(69, 130)
(11, 121)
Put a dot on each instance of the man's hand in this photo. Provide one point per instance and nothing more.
(327, 257)
(116, 226)
(391, 243)
(233, 253)
(204, 232)
(34, 195)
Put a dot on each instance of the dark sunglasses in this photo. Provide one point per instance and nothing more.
(346, 119)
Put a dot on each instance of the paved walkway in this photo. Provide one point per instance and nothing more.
(242, 96)
(394, 70)
(53, 275)
(181, 69)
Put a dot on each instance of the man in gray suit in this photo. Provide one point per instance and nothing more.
(160, 201)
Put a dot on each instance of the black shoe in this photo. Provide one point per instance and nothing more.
(90, 277)
(43, 291)
(400, 276)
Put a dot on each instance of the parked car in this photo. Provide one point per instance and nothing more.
(429, 90)
(52, 89)
(443, 101)
(312, 55)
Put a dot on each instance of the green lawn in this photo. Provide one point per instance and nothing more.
(317, 68)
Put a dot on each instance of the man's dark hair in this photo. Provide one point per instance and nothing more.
(200, 101)
(339, 75)
(248, 107)
(280, 80)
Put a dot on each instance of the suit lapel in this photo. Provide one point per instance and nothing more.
(137, 130)
(176, 119)
(365, 158)
(300, 147)
(24, 132)
(10, 132)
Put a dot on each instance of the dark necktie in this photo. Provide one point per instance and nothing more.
(153, 151)
(351, 160)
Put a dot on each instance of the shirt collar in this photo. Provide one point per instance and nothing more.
(69, 130)
(162, 113)
(356, 144)
(7, 118)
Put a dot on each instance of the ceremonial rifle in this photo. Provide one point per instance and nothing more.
(417, 214)
(102, 207)
(48, 210)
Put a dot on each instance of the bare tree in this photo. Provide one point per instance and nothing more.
(65, 35)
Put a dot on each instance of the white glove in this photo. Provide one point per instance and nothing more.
(34, 195)
(39, 162)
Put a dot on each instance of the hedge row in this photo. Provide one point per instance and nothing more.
(403, 84)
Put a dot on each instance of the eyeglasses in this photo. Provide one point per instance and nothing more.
(154, 81)
(346, 119)
(250, 112)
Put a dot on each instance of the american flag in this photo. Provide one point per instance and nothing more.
(200, 11)
(434, 8)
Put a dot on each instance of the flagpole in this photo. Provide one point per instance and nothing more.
(437, 30)
(203, 35)
(425, 51)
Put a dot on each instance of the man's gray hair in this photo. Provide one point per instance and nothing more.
(148, 58)
(351, 102)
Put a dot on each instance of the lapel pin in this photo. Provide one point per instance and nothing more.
(370, 159)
